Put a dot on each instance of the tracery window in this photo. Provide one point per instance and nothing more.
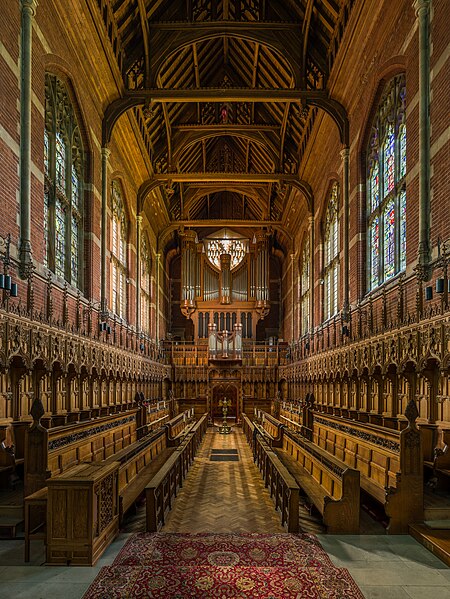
(64, 182)
(118, 253)
(331, 254)
(145, 286)
(386, 185)
(305, 283)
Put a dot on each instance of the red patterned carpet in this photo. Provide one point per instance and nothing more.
(223, 566)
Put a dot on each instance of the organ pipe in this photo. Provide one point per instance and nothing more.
(225, 283)
(188, 273)
(262, 305)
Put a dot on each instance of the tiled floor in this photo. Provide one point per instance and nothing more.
(229, 496)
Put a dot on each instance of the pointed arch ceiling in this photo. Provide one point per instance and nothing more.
(227, 89)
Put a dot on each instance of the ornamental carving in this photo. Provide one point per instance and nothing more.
(50, 345)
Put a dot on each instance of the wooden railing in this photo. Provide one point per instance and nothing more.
(282, 486)
(161, 491)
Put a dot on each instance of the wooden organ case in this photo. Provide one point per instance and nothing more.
(225, 282)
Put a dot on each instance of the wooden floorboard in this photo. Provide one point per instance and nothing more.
(223, 496)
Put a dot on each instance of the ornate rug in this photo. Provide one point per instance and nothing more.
(223, 566)
(245, 549)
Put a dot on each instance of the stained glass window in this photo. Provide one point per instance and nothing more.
(74, 248)
(389, 160)
(402, 149)
(60, 239)
(389, 240)
(118, 252)
(374, 186)
(305, 284)
(386, 214)
(145, 286)
(60, 161)
(46, 204)
(375, 251)
(46, 151)
(402, 229)
(331, 254)
(64, 174)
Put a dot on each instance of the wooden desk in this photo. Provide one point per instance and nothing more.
(82, 513)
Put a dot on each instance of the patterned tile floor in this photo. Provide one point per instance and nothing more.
(230, 496)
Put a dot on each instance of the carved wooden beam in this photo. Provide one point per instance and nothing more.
(220, 224)
(227, 180)
(319, 98)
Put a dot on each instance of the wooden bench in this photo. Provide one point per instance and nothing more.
(163, 487)
(329, 484)
(390, 462)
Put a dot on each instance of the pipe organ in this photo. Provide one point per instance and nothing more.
(188, 272)
(225, 281)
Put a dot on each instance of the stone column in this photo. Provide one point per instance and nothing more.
(346, 233)
(103, 301)
(26, 50)
(138, 271)
(422, 8)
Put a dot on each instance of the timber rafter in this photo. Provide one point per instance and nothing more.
(133, 98)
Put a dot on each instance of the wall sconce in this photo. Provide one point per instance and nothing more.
(429, 293)
(103, 326)
(6, 282)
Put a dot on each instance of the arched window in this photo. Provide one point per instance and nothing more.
(64, 184)
(331, 254)
(118, 253)
(145, 286)
(386, 186)
(305, 284)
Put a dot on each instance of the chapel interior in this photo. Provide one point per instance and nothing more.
(224, 282)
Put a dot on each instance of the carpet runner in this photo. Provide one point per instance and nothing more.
(223, 566)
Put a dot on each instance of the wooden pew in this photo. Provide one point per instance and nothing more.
(51, 452)
(134, 466)
(162, 489)
(330, 485)
(272, 428)
(138, 463)
(390, 462)
(281, 484)
(178, 426)
(105, 440)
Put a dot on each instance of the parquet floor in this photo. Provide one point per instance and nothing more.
(223, 496)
